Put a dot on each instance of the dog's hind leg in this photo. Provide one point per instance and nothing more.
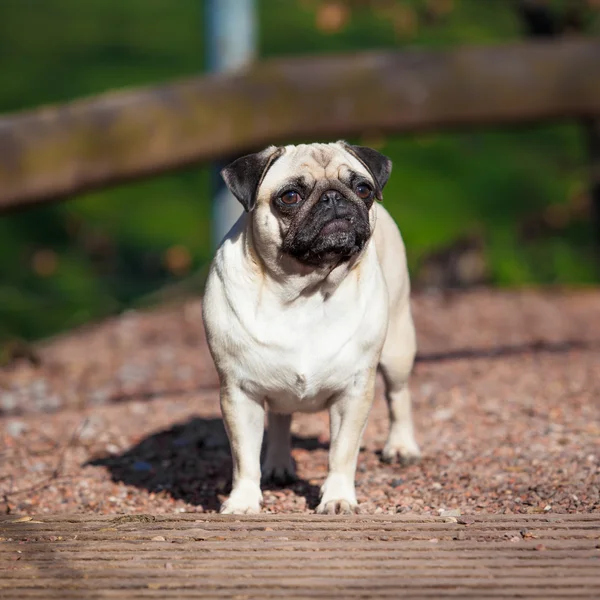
(278, 466)
(396, 363)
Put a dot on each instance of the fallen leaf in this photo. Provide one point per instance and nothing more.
(154, 586)
(451, 513)
(133, 519)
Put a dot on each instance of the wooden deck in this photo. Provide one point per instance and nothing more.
(300, 556)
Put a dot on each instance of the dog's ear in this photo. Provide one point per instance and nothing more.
(244, 175)
(377, 164)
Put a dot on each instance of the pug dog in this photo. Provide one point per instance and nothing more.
(307, 297)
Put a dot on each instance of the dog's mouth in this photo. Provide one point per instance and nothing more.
(335, 241)
(323, 238)
(335, 226)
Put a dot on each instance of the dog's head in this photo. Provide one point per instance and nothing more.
(311, 202)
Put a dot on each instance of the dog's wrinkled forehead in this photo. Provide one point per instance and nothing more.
(313, 163)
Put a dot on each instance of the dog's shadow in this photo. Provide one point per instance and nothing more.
(190, 461)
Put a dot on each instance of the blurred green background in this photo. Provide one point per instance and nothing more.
(519, 192)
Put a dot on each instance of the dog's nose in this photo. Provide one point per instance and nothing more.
(335, 205)
(331, 198)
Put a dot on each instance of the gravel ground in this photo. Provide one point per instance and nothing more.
(123, 416)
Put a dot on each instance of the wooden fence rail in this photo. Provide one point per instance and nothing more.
(57, 151)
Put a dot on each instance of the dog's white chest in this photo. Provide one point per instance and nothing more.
(299, 357)
(305, 369)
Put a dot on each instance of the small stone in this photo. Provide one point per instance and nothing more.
(8, 402)
(526, 534)
(515, 538)
(434, 540)
(397, 482)
(547, 508)
(450, 520)
(16, 428)
(436, 486)
(465, 520)
(158, 538)
(443, 414)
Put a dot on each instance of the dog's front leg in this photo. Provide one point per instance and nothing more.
(244, 421)
(348, 416)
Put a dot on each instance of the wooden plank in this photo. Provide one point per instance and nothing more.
(251, 563)
(343, 561)
(309, 519)
(213, 537)
(291, 581)
(58, 151)
(267, 593)
(317, 546)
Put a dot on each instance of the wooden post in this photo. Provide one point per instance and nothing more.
(231, 45)
(55, 152)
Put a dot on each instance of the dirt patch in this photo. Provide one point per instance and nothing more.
(123, 417)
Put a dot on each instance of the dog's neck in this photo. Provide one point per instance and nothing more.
(290, 279)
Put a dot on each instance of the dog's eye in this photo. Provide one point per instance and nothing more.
(290, 197)
(363, 191)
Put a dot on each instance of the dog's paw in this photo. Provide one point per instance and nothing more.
(405, 453)
(245, 499)
(337, 507)
(279, 472)
(337, 496)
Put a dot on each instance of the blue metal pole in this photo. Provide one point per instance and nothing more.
(231, 45)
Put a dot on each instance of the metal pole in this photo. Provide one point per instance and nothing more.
(592, 130)
(230, 45)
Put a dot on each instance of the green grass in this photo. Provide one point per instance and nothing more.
(443, 185)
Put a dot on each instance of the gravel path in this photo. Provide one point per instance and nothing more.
(123, 416)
